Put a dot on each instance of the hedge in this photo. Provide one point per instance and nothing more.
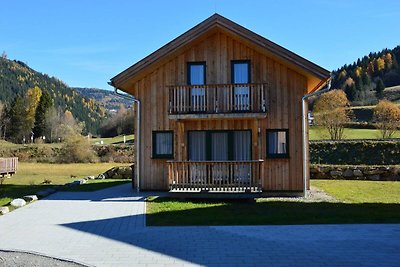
(355, 152)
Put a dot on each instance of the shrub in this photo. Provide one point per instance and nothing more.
(387, 118)
(77, 149)
(355, 152)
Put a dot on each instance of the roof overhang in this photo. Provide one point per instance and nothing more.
(316, 75)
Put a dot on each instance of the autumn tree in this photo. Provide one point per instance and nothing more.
(387, 118)
(32, 99)
(380, 86)
(331, 112)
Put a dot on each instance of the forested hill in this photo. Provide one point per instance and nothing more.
(363, 79)
(16, 78)
(110, 101)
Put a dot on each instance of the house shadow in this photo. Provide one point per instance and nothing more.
(253, 245)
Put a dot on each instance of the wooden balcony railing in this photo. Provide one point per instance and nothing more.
(218, 98)
(215, 176)
(8, 166)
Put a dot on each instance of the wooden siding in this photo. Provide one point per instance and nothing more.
(285, 88)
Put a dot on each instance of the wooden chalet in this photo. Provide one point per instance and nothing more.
(221, 111)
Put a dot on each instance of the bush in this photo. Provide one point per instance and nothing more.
(355, 152)
(76, 149)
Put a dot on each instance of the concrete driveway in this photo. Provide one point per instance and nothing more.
(107, 228)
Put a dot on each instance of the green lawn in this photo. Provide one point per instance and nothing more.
(361, 202)
(30, 177)
(361, 191)
(113, 140)
(318, 133)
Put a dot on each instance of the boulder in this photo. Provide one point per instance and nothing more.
(18, 202)
(90, 177)
(334, 173)
(348, 173)
(358, 173)
(4, 210)
(30, 198)
(373, 172)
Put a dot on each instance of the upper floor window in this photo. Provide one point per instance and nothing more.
(277, 143)
(196, 73)
(197, 76)
(240, 72)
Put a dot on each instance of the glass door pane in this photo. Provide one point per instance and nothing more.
(242, 152)
(241, 73)
(197, 152)
(197, 77)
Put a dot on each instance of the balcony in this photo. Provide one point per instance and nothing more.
(215, 176)
(217, 101)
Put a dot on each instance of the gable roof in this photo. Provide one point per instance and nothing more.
(317, 75)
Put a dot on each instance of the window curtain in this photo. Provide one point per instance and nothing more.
(219, 146)
(241, 145)
(197, 146)
(163, 143)
(277, 142)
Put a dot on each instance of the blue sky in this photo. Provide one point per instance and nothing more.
(87, 42)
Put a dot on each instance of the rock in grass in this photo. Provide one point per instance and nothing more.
(18, 202)
(4, 210)
(30, 198)
(101, 176)
(348, 173)
(91, 177)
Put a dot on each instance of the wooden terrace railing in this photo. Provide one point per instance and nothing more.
(218, 98)
(8, 166)
(217, 176)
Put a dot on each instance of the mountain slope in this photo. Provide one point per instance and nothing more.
(16, 78)
(108, 98)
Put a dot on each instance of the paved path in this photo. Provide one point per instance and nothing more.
(107, 228)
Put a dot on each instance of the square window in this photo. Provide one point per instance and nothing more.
(277, 143)
(163, 144)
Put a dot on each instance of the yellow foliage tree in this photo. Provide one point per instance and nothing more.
(387, 118)
(331, 112)
(32, 100)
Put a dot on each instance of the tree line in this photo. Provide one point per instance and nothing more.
(34, 117)
(364, 80)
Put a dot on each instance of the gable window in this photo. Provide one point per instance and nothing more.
(240, 72)
(163, 142)
(197, 76)
(277, 143)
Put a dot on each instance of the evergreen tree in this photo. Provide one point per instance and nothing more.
(351, 92)
(380, 86)
(18, 124)
(43, 107)
(366, 79)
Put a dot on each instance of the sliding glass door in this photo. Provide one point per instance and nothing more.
(220, 146)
